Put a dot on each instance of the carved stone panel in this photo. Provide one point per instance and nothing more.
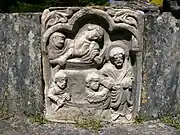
(91, 63)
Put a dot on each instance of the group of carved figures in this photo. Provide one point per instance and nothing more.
(110, 86)
(85, 47)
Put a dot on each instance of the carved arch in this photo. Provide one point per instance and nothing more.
(121, 19)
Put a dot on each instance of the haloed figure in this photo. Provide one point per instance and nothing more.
(119, 79)
(117, 56)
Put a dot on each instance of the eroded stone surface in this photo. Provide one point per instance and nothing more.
(20, 64)
(160, 93)
(90, 66)
(24, 127)
(161, 68)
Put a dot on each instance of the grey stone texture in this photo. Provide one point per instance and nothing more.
(161, 66)
(6, 129)
(142, 5)
(18, 127)
(172, 6)
(21, 88)
(20, 64)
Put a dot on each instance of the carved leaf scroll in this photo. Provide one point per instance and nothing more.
(58, 16)
(126, 16)
(55, 17)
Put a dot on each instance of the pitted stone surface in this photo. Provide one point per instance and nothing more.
(20, 70)
(20, 63)
(147, 128)
(161, 68)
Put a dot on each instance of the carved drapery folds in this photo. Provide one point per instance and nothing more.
(89, 63)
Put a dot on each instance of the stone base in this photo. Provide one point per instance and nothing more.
(74, 114)
(79, 107)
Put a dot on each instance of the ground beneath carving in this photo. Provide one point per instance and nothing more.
(23, 126)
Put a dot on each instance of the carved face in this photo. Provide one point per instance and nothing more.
(94, 84)
(61, 82)
(118, 59)
(58, 41)
(117, 56)
(94, 35)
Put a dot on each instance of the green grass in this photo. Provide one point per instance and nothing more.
(89, 123)
(4, 105)
(139, 120)
(171, 121)
(38, 118)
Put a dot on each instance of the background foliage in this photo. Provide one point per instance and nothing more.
(157, 2)
(40, 5)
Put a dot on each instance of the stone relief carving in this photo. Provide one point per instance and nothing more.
(126, 16)
(86, 43)
(96, 92)
(56, 92)
(90, 65)
(119, 79)
(60, 15)
(59, 49)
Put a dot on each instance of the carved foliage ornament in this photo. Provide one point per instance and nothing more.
(88, 67)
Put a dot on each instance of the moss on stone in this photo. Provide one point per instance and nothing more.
(89, 123)
(157, 2)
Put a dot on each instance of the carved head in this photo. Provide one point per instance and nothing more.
(95, 32)
(60, 78)
(92, 81)
(57, 39)
(117, 56)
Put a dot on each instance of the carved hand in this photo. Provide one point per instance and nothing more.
(126, 84)
(107, 82)
(98, 59)
(116, 86)
(61, 61)
(67, 96)
(60, 102)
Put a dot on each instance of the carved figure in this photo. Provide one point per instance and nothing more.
(96, 92)
(59, 49)
(86, 45)
(119, 79)
(56, 92)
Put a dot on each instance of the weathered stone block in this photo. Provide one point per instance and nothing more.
(161, 66)
(21, 88)
(91, 63)
(20, 64)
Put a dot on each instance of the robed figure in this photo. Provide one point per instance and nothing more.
(118, 78)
